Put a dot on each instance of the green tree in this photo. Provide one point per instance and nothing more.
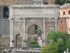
(52, 36)
(59, 39)
(61, 2)
(50, 48)
(68, 44)
(38, 31)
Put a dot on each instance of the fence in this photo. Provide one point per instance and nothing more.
(21, 51)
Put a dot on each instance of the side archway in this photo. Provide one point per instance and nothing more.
(18, 41)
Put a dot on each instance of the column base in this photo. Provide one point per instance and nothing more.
(11, 47)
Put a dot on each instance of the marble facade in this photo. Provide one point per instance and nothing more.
(23, 16)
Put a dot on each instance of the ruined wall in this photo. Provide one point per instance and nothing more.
(26, 2)
(7, 2)
(4, 27)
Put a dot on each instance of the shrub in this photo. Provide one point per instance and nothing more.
(33, 44)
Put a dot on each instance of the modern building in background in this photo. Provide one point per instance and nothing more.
(64, 12)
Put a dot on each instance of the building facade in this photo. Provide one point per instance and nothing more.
(65, 18)
(17, 18)
(40, 15)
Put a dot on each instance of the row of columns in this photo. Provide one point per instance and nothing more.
(24, 34)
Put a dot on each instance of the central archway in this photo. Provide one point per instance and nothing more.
(34, 35)
(32, 29)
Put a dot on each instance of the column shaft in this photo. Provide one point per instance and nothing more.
(24, 45)
(11, 33)
(56, 24)
(44, 34)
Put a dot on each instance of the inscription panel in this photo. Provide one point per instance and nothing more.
(36, 12)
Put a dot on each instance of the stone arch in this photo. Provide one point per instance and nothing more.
(16, 39)
(5, 12)
(39, 25)
(35, 36)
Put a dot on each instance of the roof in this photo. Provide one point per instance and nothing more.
(66, 5)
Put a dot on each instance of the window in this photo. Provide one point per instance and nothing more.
(59, 13)
(69, 12)
(61, 21)
(63, 12)
(5, 12)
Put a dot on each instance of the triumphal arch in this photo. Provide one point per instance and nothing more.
(22, 17)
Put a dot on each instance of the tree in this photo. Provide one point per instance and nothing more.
(50, 48)
(59, 38)
(38, 31)
(61, 2)
(52, 35)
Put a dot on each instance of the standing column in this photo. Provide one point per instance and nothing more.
(44, 34)
(11, 34)
(56, 24)
(24, 45)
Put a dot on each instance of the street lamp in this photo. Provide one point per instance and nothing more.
(0, 43)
